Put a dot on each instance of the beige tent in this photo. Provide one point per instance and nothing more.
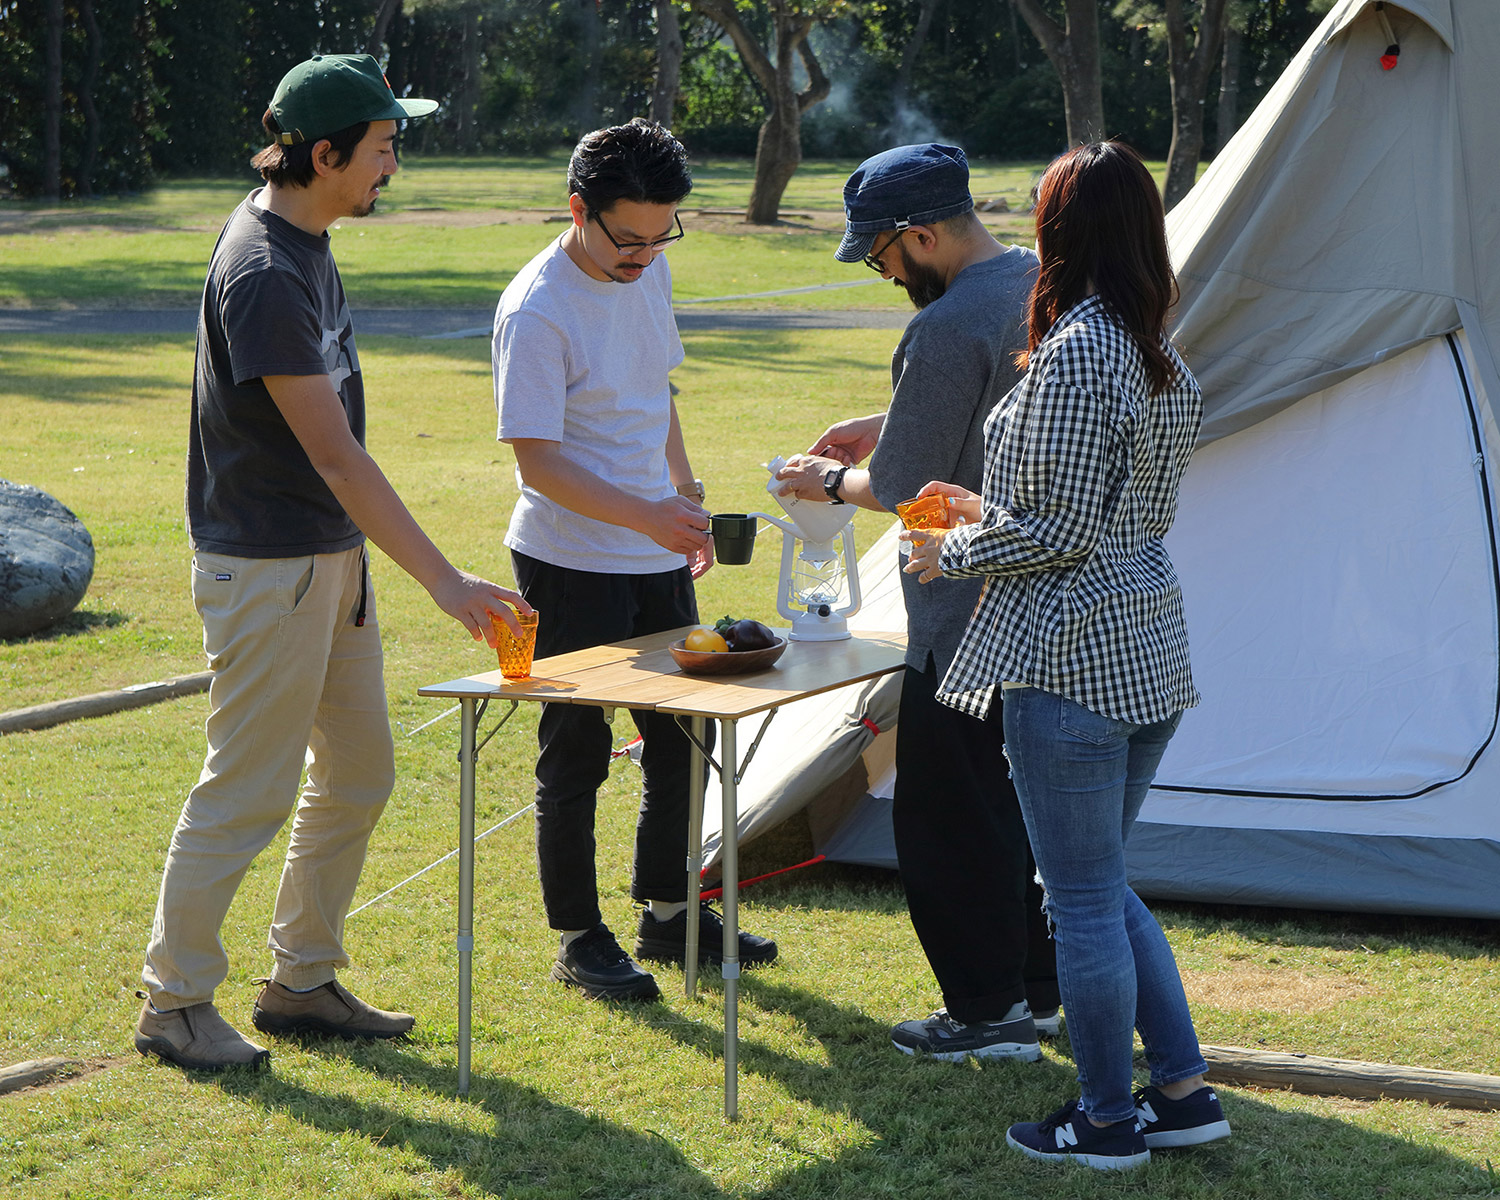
(1336, 538)
(1356, 215)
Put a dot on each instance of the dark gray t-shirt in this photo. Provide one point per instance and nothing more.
(273, 304)
(953, 364)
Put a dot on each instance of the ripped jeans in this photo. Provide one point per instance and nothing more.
(1081, 779)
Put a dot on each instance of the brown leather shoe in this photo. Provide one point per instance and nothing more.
(198, 1038)
(331, 1009)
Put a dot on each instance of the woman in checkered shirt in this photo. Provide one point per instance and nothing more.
(1081, 625)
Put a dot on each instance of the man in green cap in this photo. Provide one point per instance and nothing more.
(281, 496)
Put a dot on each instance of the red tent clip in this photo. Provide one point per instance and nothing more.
(1392, 47)
(869, 724)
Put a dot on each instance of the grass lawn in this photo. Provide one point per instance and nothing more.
(573, 1099)
(452, 233)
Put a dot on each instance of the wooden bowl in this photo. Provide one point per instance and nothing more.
(726, 662)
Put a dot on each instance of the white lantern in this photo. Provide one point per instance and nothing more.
(819, 586)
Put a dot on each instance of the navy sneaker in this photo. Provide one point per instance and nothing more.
(597, 967)
(941, 1037)
(1068, 1135)
(1191, 1121)
(666, 941)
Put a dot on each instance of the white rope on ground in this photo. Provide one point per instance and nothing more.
(812, 287)
(434, 720)
(515, 816)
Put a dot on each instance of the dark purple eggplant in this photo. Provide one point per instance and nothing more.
(744, 634)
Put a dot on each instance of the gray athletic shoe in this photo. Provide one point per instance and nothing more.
(940, 1036)
(197, 1038)
(331, 1010)
(1048, 1022)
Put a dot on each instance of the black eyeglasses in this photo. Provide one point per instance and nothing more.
(872, 260)
(629, 248)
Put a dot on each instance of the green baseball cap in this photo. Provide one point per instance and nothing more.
(330, 92)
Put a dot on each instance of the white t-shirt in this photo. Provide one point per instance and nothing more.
(583, 362)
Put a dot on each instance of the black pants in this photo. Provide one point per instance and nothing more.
(587, 608)
(965, 861)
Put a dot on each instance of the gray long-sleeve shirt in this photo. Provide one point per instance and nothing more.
(953, 364)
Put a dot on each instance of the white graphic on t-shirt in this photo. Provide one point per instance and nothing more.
(337, 357)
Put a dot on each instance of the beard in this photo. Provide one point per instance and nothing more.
(365, 209)
(922, 283)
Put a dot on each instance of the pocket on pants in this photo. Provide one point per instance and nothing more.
(294, 579)
(1086, 725)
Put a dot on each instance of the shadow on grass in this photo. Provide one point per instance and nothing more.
(940, 1128)
(46, 368)
(533, 1147)
(72, 625)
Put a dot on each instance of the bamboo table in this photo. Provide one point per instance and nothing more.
(640, 674)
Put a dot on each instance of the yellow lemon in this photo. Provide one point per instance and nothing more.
(706, 639)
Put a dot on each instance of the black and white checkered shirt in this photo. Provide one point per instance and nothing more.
(1080, 485)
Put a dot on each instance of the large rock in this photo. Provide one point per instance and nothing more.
(46, 560)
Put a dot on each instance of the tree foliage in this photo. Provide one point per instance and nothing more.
(140, 87)
(106, 102)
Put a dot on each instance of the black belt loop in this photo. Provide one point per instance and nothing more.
(364, 587)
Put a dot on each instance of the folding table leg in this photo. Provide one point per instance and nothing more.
(697, 774)
(469, 723)
(729, 756)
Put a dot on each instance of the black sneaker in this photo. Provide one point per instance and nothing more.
(1068, 1135)
(597, 967)
(940, 1036)
(666, 941)
(1191, 1121)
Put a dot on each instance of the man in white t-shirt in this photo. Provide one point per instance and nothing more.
(608, 534)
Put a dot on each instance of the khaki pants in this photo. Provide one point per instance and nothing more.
(295, 681)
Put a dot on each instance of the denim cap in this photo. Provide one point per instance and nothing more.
(910, 185)
(330, 92)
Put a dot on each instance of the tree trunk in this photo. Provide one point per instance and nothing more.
(668, 62)
(1229, 86)
(52, 105)
(592, 45)
(1074, 53)
(86, 86)
(778, 149)
(778, 154)
(912, 49)
(383, 18)
(468, 91)
(1190, 71)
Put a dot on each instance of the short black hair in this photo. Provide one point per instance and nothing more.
(292, 166)
(639, 161)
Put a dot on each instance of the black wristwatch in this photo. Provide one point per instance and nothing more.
(832, 482)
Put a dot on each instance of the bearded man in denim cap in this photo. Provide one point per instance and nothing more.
(960, 841)
(281, 495)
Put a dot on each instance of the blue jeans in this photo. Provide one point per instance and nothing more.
(1081, 779)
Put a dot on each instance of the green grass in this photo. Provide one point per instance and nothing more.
(450, 233)
(572, 1099)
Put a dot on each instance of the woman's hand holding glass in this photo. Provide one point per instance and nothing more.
(964, 506)
(926, 545)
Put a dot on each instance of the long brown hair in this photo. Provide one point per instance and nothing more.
(1100, 227)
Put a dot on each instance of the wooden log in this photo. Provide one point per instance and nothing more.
(1350, 1078)
(41, 716)
(34, 1073)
